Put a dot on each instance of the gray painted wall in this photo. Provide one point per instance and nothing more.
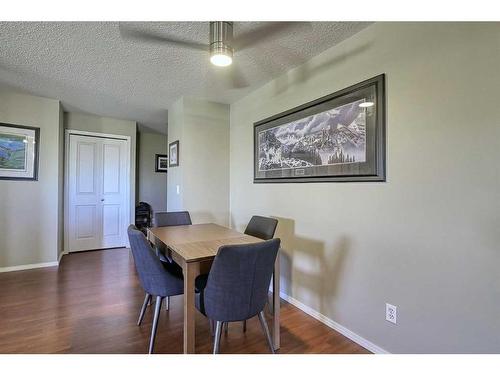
(151, 185)
(202, 129)
(30, 211)
(427, 240)
(60, 236)
(175, 133)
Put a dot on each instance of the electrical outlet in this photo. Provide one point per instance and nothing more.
(391, 313)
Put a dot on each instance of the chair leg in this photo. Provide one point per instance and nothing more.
(211, 324)
(218, 332)
(265, 328)
(244, 326)
(167, 303)
(143, 308)
(270, 306)
(155, 323)
(270, 298)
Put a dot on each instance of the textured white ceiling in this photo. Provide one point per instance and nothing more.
(91, 68)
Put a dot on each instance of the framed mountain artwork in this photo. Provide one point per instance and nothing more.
(337, 138)
(18, 152)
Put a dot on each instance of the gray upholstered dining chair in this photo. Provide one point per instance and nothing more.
(261, 227)
(264, 228)
(237, 285)
(169, 219)
(155, 277)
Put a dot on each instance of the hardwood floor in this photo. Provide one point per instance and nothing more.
(90, 304)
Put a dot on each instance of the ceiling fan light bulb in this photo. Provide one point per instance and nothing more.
(221, 37)
(221, 59)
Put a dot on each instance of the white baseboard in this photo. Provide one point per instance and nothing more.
(334, 325)
(60, 256)
(28, 266)
(34, 265)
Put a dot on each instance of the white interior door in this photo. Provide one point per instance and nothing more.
(97, 192)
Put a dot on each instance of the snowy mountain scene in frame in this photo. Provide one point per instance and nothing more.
(337, 138)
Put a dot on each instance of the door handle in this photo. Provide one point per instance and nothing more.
(102, 199)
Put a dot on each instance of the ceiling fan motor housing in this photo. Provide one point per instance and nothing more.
(221, 38)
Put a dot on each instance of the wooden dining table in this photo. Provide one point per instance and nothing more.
(194, 248)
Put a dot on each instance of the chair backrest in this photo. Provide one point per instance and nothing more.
(152, 274)
(238, 282)
(143, 208)
(261, 227)
(168, 219)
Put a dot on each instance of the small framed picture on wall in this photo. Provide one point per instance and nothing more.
(161, 164)
(173, 154)
(19, 152)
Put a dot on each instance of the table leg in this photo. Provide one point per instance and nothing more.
(190, 270)
(276, 304)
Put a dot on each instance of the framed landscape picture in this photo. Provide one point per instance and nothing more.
(173, 154)
(161, 163)
(19, 152)
(337, 138)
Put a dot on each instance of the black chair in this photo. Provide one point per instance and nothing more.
(143, 216)
(155, 277)
(237, 285)
(261, 227)
(169, 219)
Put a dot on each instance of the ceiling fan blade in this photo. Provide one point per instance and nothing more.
(229, 77)
(268, 31)
(131, 33)
(237, 77)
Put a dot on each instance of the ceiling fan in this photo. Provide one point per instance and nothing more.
(221, 45)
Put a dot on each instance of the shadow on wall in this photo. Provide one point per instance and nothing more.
(232, 224)
(307, 70)
(310, 272)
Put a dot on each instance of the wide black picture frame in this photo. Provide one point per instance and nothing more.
(373, 167)
(36, 150)
(158, 158)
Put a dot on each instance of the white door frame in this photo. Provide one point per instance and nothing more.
(69, 132)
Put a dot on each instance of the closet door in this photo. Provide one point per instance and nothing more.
(97, 193)
(114, 192)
